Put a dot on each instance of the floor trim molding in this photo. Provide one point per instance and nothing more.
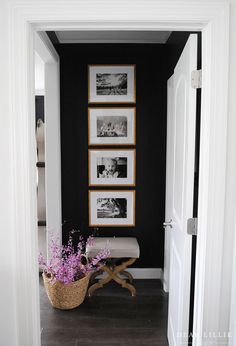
(143, 273)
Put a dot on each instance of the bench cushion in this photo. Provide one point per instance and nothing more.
(119, 247)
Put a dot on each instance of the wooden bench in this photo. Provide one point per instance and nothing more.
(121, 248)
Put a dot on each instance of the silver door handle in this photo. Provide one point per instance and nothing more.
(168, 224)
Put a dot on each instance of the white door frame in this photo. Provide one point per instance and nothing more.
(212, 18)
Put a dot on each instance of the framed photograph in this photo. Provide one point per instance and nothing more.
(116, 126)
(111, 208)
(112, 167)
(111, 84)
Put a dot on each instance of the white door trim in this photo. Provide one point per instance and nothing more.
(210, 17)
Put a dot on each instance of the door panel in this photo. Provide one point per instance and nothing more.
(178, 146)
(181, 179)
(169, 179)
(175, 281)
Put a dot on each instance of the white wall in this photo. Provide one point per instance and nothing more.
(52, 152)
(48, 63)
(7, 296)
(8, 334)
(39, 75)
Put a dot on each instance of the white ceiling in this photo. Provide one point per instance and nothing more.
(113, 36)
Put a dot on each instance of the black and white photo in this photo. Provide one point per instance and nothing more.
(112, 84)
(112, 167)
(111, 125)
(108, 208)
(112, 208)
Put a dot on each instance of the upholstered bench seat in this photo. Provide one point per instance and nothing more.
(120, 248)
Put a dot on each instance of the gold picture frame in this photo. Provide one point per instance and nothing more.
(109, 196)
(123, 176)
(114, 115)
(116, 83)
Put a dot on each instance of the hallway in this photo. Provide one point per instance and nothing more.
(111, 317)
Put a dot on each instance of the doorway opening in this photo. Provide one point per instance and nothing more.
(212, 19)
(155, 63)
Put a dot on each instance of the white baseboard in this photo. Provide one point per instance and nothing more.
(143, 273)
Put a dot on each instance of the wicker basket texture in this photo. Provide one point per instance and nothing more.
(66, 297)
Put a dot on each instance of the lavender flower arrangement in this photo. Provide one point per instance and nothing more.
(68, 264)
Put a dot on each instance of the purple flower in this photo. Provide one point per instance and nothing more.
(68, 263)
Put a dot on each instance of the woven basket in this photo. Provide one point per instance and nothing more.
(66, 297)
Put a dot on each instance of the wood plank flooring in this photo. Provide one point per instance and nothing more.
(110, 318)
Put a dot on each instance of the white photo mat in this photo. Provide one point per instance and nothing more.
(124, 174)
(112, 92)
(122, 120)
(107, 197)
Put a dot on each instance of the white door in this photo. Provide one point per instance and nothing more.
(169, 179)
(180, 185)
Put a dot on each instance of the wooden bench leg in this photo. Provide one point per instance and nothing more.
(101, 282)
(94, 276)
(127, 275)
(112, 274)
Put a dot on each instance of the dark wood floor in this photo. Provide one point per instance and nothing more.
(110, 318)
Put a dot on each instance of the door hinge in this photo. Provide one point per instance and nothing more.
(192, 226)
(196, 79)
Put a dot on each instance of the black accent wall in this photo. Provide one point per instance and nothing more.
(39, 107)
(151, 75)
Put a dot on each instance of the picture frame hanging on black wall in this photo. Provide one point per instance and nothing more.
(111, 84)
(112, 126)
(111, 208)
(112, 167)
